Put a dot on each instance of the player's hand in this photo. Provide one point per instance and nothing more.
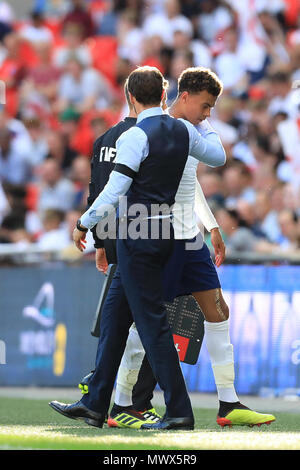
(218, 245)
(101, 260)
(79, 239)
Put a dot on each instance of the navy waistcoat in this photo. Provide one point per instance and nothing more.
(160, 173)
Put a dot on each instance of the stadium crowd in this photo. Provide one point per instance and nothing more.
(64, 67)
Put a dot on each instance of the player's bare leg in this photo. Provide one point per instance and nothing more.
(217, 338)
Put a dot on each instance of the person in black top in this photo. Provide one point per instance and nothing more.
(102, 164)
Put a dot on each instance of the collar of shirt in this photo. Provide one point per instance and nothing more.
(156, 111)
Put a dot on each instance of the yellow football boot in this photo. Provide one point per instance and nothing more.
(151, 415)
(244, 417)
(127, 419)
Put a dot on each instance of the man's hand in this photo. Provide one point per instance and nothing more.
(79, 239)
(219, 246)
(101, 260)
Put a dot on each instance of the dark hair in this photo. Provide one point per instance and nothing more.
(235, 163)
(234, 214)
(14, 220)
(280, 76)
(146, 84)
(197, 79)
(53, 214)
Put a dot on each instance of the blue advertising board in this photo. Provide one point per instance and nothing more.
(46, 314)
(45, 320)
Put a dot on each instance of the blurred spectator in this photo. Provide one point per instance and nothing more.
(130, 37)
(237, 235)
(275, 44)
(82, 88)
(238, 182)
(59, 149)
(7, 14)
(165, 23)
(52, 9)
(15, 194)
(180, 62)
(226, 124)
(214, 18)
(21, 137)
(99, 125)
(230, 64)
(291, 197)
(37, 148)
(213, 187)
(12, 229)
(295, 61)
(14, 165)
(261, 150)
(290, 236)
(283, 96)
(266, 215)
(35, 31)
(246, 212)
(79, 15)
(55, 191)
(13, 69)
(259, 144)
(39, 89)
(253, 39)
(81, 176)
(183, 41)
(107, 23)
(289, 136)
(73, 46)
(68, 129)
(4, 206)
(264, 178)
(54, 236)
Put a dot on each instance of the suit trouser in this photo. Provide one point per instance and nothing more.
(142, 392)
(139, 274)
(115, 322)
(141, 265)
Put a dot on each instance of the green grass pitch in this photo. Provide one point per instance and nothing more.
(32, 424)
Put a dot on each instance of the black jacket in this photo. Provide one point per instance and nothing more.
(103, 162)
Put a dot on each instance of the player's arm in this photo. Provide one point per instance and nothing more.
(132, 148)
(208, 150)
(202, 208)
(206, 216)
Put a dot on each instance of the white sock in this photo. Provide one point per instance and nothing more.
(220, 350)
(129, 368)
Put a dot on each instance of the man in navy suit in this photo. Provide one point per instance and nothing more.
(151, 157)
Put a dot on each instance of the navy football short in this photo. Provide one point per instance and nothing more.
(189, 270)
